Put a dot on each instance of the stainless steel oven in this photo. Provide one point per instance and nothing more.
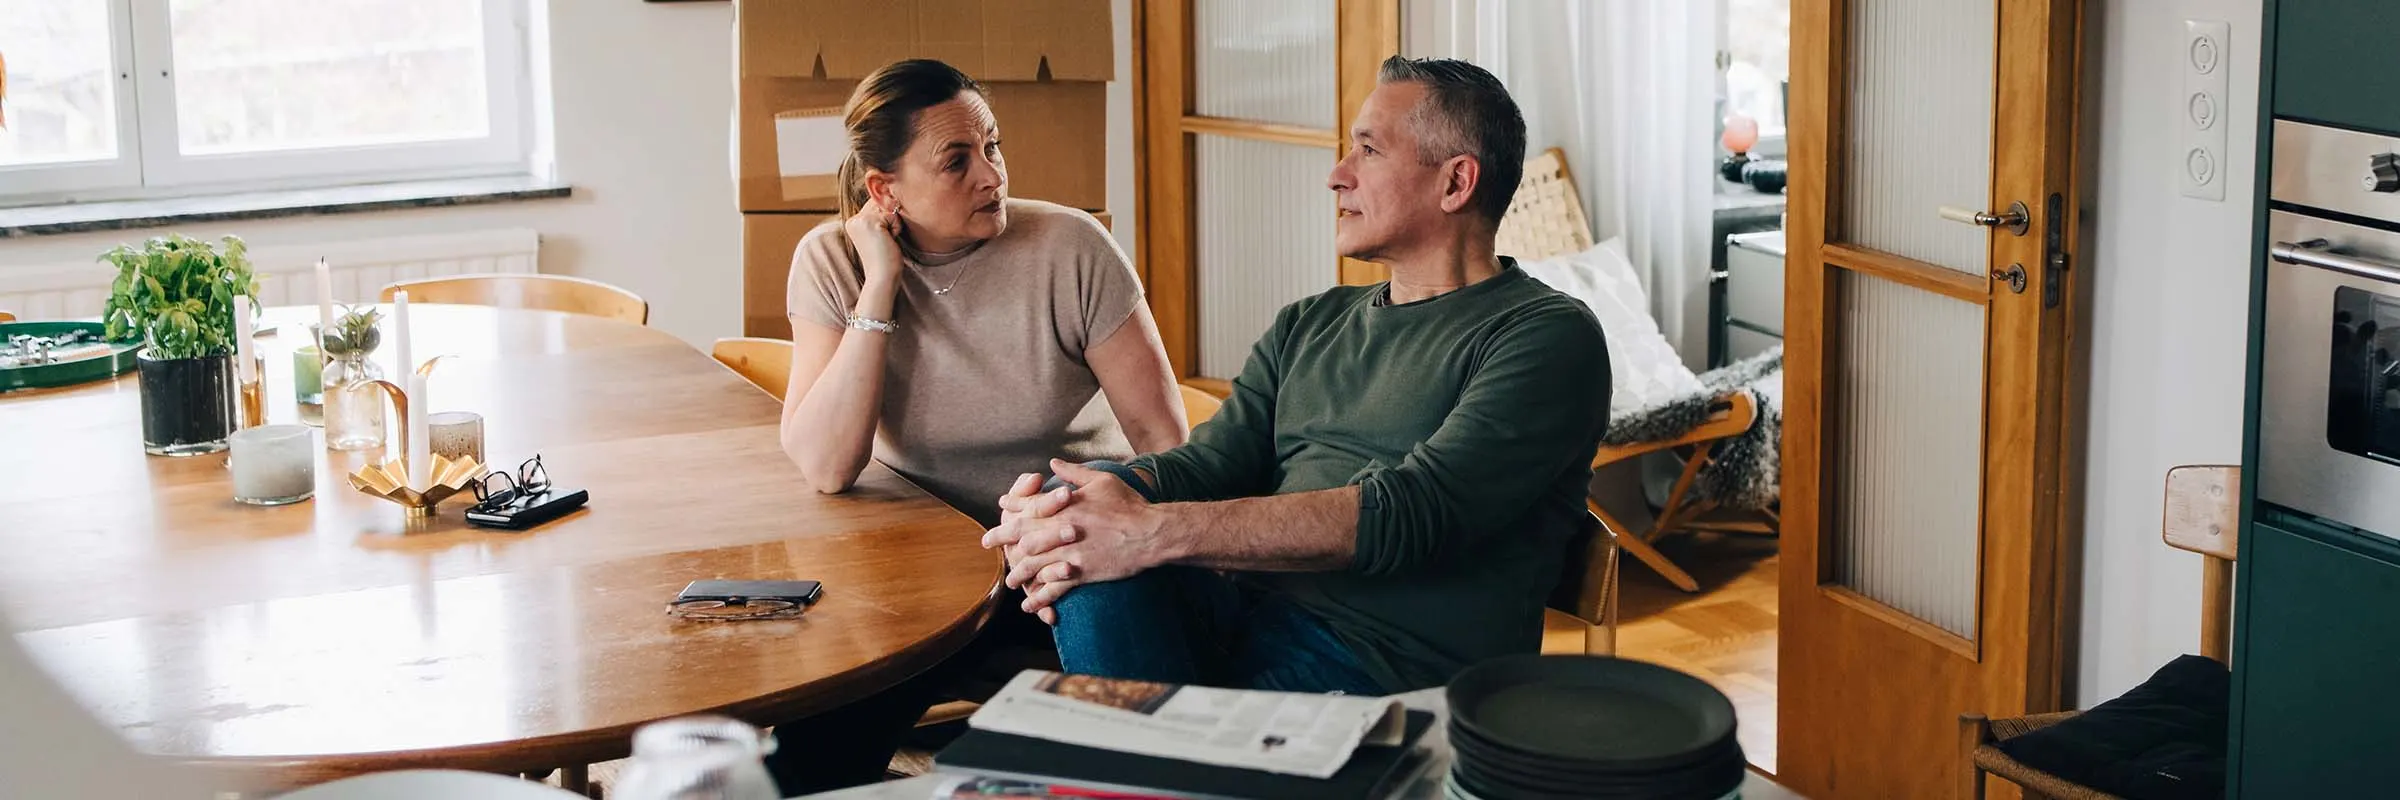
(2329, 396)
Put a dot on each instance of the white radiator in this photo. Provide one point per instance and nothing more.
(286, 272)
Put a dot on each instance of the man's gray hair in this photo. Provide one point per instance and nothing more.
(1466, 112)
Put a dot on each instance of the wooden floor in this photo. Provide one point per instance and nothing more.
(1725, 634)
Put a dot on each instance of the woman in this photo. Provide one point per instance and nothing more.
(963, 339)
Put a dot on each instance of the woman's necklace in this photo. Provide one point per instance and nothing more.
(927, 260)
(954, 279)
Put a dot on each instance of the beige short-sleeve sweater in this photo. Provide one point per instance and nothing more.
(987, 380)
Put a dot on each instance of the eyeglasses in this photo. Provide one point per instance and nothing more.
(721, 611)
(499, 489)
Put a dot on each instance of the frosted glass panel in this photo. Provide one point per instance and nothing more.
(1265, 60)
(1907, 455)
(1266, 239)
(1920, 128)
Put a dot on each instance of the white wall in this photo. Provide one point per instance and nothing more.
(2170, 302)
(642, 96)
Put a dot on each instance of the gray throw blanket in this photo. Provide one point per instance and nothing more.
(1744, 473)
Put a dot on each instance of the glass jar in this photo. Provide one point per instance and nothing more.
(354, 407)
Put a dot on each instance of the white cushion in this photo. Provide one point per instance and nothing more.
(1644, 370)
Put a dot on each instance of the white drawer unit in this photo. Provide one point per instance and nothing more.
(1753, 293)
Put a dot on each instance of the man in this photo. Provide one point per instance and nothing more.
(1389, 492)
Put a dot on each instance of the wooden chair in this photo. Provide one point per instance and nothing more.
(1545, 220)
(1198, 406)
(766, 362)
(1545, 217)
(2203, 510)
(7, 317)
(1731, 415)
(1588, 624)
(544, 292)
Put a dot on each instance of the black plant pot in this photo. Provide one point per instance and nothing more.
(187, 404)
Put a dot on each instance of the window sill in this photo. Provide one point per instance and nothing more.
(130, 214)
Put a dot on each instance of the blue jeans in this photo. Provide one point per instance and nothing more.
(1177, 624)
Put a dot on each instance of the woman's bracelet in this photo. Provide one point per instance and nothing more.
(872, 325)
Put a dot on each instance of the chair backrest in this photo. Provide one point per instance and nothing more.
(766, 362)
(1587, 586)
(1199, 406)
(7, 317)
(544, 292)
(1546, 217)
(2203, 515)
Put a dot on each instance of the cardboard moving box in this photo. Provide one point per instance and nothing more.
(992, 40)
(1045, 64)
(1053, 137)
(767, 244)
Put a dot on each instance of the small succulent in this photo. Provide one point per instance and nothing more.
(354, 331)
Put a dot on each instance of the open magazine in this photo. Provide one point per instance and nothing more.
(1279, 732)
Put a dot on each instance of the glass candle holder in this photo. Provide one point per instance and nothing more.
(456, 434)
(308, 383)
(354, 415)
(274, 464)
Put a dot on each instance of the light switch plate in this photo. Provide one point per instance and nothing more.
(2204, 60)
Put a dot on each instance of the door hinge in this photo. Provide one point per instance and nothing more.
(2054, 252)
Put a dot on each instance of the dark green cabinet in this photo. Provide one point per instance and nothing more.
(2317, 684)
(2334, 63)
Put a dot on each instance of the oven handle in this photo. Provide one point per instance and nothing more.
(2316, 253)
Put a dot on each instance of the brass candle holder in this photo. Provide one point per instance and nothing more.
(388, 478)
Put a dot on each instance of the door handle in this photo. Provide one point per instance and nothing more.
(2015, 220)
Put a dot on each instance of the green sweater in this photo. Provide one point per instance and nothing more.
(1468, 422)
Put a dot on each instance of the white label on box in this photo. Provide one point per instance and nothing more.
(810, 142)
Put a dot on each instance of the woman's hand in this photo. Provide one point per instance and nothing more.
(875, 232)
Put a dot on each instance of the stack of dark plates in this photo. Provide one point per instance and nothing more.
(1583, 727)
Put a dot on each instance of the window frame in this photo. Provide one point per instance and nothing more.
(1769, 145)
(150, 162)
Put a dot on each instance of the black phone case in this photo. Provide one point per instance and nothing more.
(544, 508)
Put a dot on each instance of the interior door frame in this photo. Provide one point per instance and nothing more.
(1164, 160)
(2031, 472)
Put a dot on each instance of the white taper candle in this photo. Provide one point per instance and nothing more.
(324, 300)
(420, 435)
(405, 360)
(243, 369)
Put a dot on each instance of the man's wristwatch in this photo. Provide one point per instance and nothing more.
(872, 325)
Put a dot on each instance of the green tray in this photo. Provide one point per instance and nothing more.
(84, 370)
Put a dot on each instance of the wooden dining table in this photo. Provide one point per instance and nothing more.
(285, 646)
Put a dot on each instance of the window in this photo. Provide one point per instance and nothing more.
(128, 98)
(1757, 65)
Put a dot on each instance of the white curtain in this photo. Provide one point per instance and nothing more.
(1628, 89)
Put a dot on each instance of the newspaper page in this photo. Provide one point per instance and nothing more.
(1279, 732)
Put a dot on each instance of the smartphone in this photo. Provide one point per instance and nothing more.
(739, 592)
(518, 511)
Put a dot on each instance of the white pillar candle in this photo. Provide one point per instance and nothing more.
(273, 464)
(244, 370)
(420, 439)
(324, 300)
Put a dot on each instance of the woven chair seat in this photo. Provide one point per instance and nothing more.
(2036, 782)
